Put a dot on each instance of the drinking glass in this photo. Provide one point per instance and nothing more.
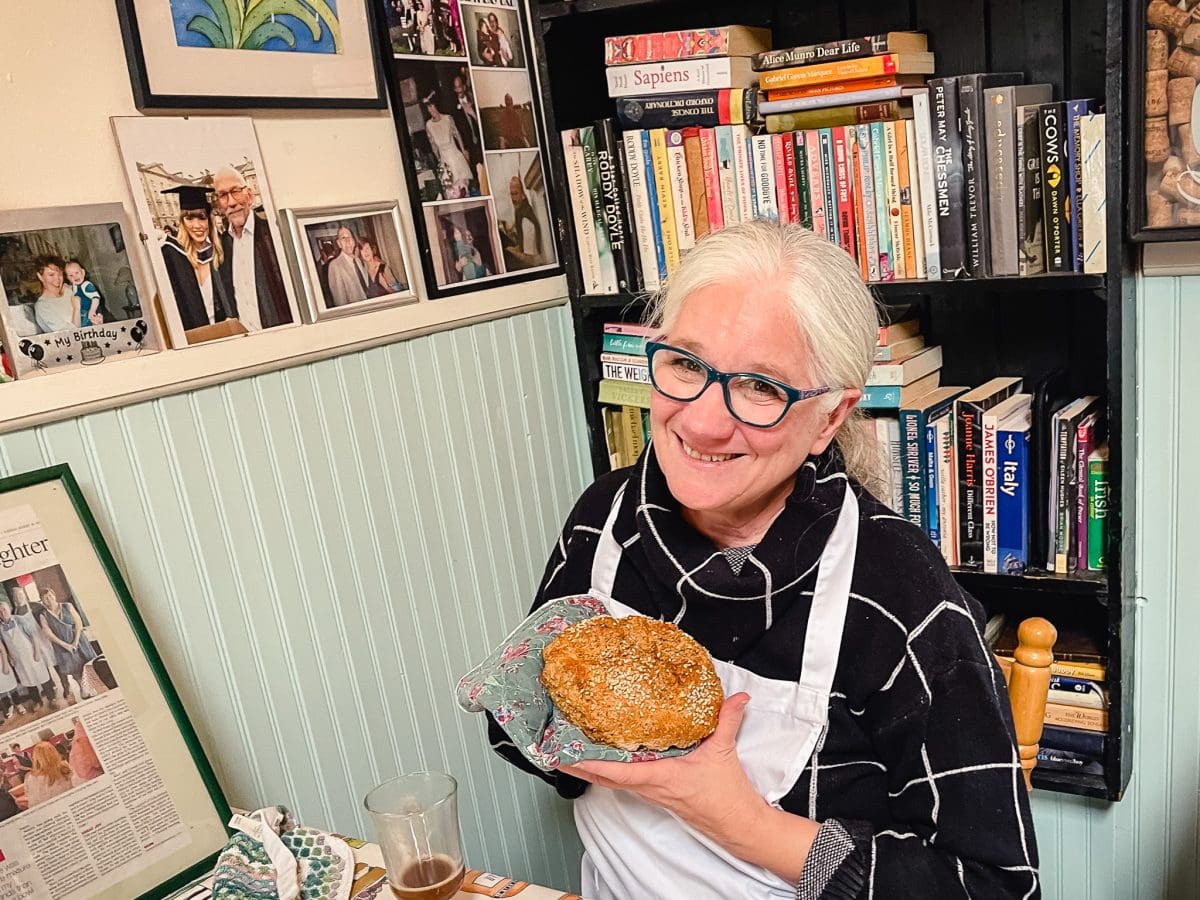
(416, 825)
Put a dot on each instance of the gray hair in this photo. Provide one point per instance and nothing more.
(833, 307)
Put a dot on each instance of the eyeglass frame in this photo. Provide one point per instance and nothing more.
(793, 395)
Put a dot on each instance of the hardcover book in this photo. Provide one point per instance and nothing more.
(1001, 128)
(908, 63)
(1056, 190)
(968, 427)
(948, 177)
(847, 48)
(692, 43)
(680, 77)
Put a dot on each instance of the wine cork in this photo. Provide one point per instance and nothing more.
(1160, 212)
(1179, 100)
(1158, 145)
(1187, 215)
(1187, 147)
(1173, 165)
(1183, 62)
(1156, 93)
(1169, 186)
(1156, 50)
(1161, 14)
(1191, 37)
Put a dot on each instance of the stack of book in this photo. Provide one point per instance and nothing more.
(625, 391)
(1076, 723)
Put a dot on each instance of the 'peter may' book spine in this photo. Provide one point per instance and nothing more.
(948, 176)
(1055, 187)
(616, 209)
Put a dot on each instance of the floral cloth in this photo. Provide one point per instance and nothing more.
(508, 685)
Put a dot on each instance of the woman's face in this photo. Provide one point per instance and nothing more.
(50, 599)
(51, 277)
(746, 470)
(5, 613)
(196, 223)
(366, 252)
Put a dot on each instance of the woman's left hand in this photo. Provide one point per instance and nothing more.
(707, 788)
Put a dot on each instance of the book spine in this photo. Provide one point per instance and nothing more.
(791, 173)
(681, 195)
(867, 190)
(677, 77)
(1097, 513)
(782, 206)
(693, 157)
(881, 396)
(1055, 186)
(970, 117)
(803, 188)
(630, 328)
(1094, 219)
(700, 108)
(912, 431)
(624, 372)
(989, 493)
(849, 48)
(624, 393)
(835, 88)
(1076, 110)
(1012, 503)
(833, 117)
(612, 437)
(829, 183)
(664, 45)
(1073, 740)
(1064, 440)
(628, 344)
(745, 175)
(896, 459)
(1077, 558)
(845, 201)
(643, 230)
(608, 267)
(624, 359)
(654, 217)
(908, 188)
(998, 124)
(947, 489)
(887, 267)
(1079, 717)
(932, 513)
(970, 512)
(633, 250)
(764, 177)
(844, 70)
(816, 187)
(727, 175)
(925, 167)
(1091, 700)
(666, 205)
(894, 226)
(616, 210)
(712, 179)
(581, 210)
(631, 428)
(1031, 238)
(860, 245)
(1066, 761)
(772, 106)
(948, 177)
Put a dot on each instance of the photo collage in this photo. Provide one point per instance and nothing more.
(465, 95)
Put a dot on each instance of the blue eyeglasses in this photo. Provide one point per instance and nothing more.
(755, 400)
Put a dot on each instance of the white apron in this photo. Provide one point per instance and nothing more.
(637, 850)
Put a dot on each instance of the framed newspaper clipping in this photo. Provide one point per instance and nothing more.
(105, 789)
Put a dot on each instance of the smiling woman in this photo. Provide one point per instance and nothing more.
(866, 734)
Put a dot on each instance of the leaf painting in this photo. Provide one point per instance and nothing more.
(297, 26)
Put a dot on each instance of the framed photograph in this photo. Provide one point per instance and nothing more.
(463, 100)
(204, 208)
(228, 54)
(73, 293)
(349, 259)
(1164, 122)
(95, 747)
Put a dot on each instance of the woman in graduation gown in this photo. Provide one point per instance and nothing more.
(865, 744)
(193, 258)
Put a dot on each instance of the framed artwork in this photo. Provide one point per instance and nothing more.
(73, 293)
(1165, 123)
(197, 54)
(97, 749)
(349, 259)
(472, 135)
(205, 210)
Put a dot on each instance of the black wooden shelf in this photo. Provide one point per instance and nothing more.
(1071, 783)
(1079, 585)
(559, 9)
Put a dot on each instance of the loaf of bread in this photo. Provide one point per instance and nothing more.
(634, 683)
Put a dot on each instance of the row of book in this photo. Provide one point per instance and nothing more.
(1075, 727)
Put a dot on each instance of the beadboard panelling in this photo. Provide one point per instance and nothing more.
(1146, 847)
(320, 552)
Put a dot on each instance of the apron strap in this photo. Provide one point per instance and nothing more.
(831, 597)
(608, 553)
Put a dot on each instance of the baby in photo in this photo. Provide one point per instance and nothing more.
(86, 293)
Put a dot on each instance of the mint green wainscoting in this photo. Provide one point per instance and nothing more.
(320, 552)
(1148, 845)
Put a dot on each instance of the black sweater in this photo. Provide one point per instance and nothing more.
(918, 765)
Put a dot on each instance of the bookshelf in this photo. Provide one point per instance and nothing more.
(1032, 326)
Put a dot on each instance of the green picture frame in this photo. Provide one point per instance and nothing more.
(50, 544)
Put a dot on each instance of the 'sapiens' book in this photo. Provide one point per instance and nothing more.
(948, 177)
(722, 106)
(968, 426)
(692, 43)
(679, 77)
(905, 63)
(1056, 186)
(847, 48)
(1001, 128)
(975, 179)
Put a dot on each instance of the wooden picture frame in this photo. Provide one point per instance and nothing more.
(227, 54)
(133, 763)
